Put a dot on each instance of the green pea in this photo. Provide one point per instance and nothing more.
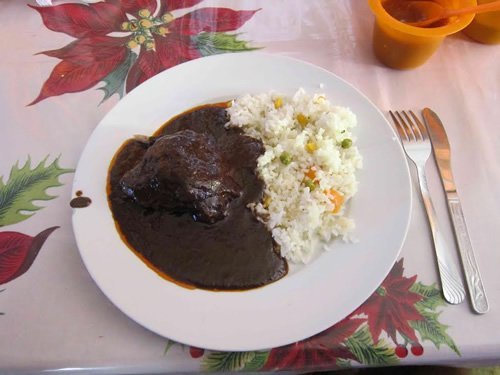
(346, 143)
(286, 158)
(310, 184)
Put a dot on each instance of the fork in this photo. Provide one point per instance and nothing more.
(415, 140)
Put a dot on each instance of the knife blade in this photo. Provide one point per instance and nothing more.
(442, 156)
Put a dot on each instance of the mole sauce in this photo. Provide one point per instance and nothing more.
(236, 252)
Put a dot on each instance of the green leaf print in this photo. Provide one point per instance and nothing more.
(432, 296)
(234, 361)
(169, 345)
(343, 363)
(26, 185)
(114, 82)
(362, 346)
(257, 362)
(430, 329)
(215, 43)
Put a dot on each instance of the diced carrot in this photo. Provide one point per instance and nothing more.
(311, 173)
(336, 198)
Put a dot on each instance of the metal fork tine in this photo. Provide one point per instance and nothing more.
(399, 128)
(408, 127)
(421, 126)
(414, 127)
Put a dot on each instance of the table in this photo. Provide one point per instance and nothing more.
(53, 315)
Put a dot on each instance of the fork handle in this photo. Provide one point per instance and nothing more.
(453, 288)
(472, 275)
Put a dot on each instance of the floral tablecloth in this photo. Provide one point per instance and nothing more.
(64, 67)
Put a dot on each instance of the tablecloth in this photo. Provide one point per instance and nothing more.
(63, 68)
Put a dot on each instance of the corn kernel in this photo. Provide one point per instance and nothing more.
(319, 99)
(278, 103)
(267, 201)
(302, 119)
(311, 147)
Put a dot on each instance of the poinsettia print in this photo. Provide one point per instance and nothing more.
(402, 310)
(392, 306)
(18, 252)
(317, 353)
(123, 42)
(24, 186)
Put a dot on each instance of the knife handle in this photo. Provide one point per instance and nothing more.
(472, 275)
(453, 288)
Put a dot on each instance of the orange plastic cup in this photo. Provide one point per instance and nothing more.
(401, 46)
(485, 28)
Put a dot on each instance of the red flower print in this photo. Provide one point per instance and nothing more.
(18, 252)
(125, 42)
(316, 353)
(392, 306)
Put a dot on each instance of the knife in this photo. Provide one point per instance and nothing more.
(442, 155)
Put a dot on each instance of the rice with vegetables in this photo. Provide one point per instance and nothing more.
(308, 167)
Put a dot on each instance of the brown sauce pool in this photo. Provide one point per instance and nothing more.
(197, 247)
(80, 201)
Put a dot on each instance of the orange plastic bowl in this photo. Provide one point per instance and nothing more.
(401, 46)
(485, 28)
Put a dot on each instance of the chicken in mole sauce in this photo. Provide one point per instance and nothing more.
(179, 200)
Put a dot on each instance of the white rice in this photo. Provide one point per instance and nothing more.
(300, 217)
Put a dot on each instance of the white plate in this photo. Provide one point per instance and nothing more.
(305, 302)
